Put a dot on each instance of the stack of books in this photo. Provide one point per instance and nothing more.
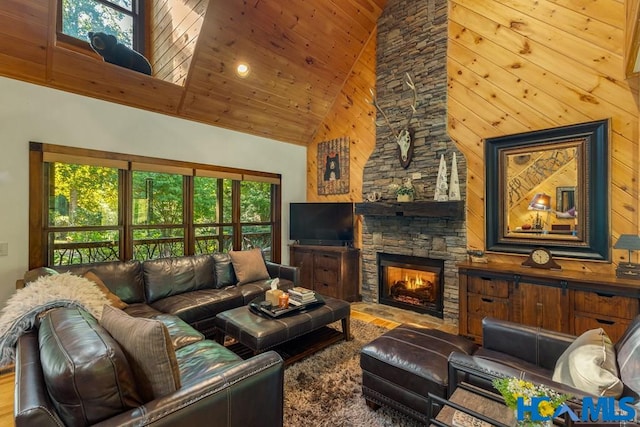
(299, 296)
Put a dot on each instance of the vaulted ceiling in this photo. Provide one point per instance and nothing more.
(300, 52)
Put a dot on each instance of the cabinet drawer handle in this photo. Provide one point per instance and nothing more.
(604, 295)
(486, 279)
(605, 322)
(486, 299)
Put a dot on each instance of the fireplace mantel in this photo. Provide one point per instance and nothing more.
(427, 208)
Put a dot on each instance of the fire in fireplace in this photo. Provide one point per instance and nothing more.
(410, 282)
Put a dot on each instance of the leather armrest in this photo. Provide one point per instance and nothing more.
(250, 392)
(32, 406)
(220, 398)
(284, 272)
(535, 345)
(481, 372)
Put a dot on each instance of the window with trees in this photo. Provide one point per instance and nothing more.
(99, 207)
(122, 18)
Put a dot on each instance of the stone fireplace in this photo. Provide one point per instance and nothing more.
(411, 282)
(412, 38)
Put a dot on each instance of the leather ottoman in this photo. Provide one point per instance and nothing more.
(401, 367)
(261, 333)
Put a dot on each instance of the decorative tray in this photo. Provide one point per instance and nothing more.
(255, 307)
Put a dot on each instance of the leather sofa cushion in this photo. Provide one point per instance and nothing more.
(225, 276)
(149, 349)
(202, 360)
(87, 374)
(124, 279)
(589, 364)
(110, 296)
(180, 332)
(249, 266)
(173, 276)
(195, 306)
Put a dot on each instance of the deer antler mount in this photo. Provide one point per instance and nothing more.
(404, 137)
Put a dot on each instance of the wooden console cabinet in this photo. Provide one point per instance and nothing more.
(329, 270)
(564, 301)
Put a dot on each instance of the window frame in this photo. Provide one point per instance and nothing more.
(140, 18)
(39, 226)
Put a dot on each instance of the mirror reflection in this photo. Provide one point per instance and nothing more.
(551, 189)
(542, 189)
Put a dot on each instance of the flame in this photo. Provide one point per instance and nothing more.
(413, 282)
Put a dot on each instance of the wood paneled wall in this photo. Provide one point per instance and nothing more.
(24, 27)
(352, 115)
(175, 27)
(29, 51)
(516, 65)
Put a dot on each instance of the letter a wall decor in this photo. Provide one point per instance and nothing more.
(333, 166)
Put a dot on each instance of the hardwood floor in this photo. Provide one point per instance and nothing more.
(387, 317)
(6, 399)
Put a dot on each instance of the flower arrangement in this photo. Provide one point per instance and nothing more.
(513, 388)
(406, 188)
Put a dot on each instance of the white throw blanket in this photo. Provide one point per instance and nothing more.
(60, 290)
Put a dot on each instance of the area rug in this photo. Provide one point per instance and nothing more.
(326, 389)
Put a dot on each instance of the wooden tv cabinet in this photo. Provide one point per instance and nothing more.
(329, 270)
(564, 301)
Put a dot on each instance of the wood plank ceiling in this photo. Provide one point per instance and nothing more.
(300, 52)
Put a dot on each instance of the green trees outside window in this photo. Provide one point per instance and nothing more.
(98, 214)
(83, 214)
(121, 18)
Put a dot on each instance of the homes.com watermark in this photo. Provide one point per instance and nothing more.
(600, 409)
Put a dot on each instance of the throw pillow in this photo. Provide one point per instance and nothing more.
(249, 266)
(113, 298)
(589, 364)
(148, 347)
(225, 276)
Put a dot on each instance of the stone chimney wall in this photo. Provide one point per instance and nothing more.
(412, 38)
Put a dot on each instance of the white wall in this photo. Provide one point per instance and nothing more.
(34, 113)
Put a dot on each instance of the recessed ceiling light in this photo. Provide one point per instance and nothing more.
(242, 70)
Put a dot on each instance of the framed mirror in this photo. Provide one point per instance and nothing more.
(549, 188)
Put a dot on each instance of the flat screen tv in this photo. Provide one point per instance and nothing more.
(329, 224)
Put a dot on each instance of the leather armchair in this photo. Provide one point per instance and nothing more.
(512, 350)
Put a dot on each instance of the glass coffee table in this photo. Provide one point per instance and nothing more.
(470, 406)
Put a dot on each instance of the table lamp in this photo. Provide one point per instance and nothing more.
(540, 202)
(629, 270)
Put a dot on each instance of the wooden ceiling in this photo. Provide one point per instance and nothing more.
(300, 53)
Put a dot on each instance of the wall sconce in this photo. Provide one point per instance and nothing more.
(628, 270)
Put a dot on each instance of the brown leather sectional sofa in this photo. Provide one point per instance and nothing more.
(79, 372)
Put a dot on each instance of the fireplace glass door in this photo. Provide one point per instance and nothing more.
(413, 283)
